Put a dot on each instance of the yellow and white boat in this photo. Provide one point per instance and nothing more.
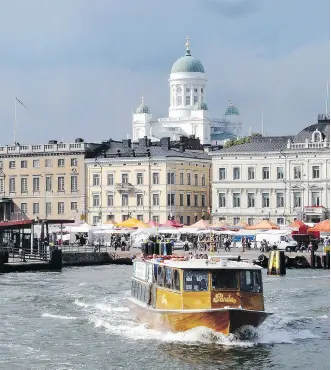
(176, 294)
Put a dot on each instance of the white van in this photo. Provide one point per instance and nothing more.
(284, 242)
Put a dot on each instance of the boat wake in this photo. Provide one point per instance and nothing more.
(113, 316)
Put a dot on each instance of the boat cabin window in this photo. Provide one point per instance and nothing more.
(168, 278)
(224, 279)
(251, 281)
(195, 281)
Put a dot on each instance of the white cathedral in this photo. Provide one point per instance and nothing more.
(188, 112)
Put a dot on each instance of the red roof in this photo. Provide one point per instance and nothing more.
(15, 223)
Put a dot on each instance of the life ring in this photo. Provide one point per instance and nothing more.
(262, 258)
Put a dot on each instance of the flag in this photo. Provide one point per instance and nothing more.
(22, 104)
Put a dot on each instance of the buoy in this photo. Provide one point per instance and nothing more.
(276, 265)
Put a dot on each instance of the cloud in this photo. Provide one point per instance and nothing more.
(232, 8)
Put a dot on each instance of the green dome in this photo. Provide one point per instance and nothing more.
(143, 108)
(232, 110)
(187, 63)
(200, 105)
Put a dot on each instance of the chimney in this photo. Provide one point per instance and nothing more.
(165, 143)
(144, 142)
(126, 143)
(182, 147)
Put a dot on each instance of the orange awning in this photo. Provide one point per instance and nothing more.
(323, 227)
(263, 225)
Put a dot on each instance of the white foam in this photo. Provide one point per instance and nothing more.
(58, 316)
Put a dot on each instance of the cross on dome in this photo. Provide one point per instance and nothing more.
(187, 44)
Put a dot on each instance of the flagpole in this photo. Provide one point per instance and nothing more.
(262, 121)
(15, 117)
(327, 98)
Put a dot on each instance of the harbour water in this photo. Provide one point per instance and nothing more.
(78, 319)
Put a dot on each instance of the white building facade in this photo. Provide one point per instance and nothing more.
(276, 178)
(188, 113)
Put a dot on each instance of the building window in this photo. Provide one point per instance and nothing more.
(60, 208)
(140, 179)
(171, 178)
(110, 179)
(156, 178)
(297, 172)
(96, 200)
(24, 208)
(140, 200)
(60, 162)
(73, 162)
(48, 163)
(188, 200)
(316, 172)
(188, 222)
(265, 200)
(48, 208)
(36, 184)
(1, 185)
(125, 200)
(24, 164)
(110, 200)
(201, 90)
(74, 183)
(297, 199)
(236, 220)
(195, 90)
(156, 200)
(96, 220)
(250, 200)
(236, 200)
(35, 208)
(1, 164)
(24, 185)
(280, 221)
(280, 173)
(315, 199)
(250, 221)
(265, 173)
(251, 173)
(236, 173)
(60, 183)
(140, 218)
(171, 199)
(36, 163)
(196, 180)
(195, 219)
(179, 100)
(280, 200)
(203, 200)
(12, 185)
(11, 164)
(125, 178)
(187, 100)
(222, 174)
(196, 200)
(181, 178)
(73, 206)
(96, 179)
(203, 180)
(221, 200)
(188, 179)
(48, 183)
(188, 90)
(181, 200)
(195, 99)
(181, 219)
(156, 219)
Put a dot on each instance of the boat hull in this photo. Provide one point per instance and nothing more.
(225, 321)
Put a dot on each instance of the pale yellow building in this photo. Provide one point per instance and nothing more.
(44, 181)
(149, 181)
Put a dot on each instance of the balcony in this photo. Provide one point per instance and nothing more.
(124, 187)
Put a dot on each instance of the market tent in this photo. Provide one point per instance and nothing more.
(202, 224)
(301, 226)
(80, 228)
(241, 225)
(173, 223)
(110, 222)
(263, 225)
(131, 222)
(142, 225)
(323, 227)
(222, 223)
(153, 223)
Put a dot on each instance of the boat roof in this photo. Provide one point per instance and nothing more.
(212, 263)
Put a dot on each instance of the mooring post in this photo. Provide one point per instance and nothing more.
(312, 258)
(55, 262)
(276, 265)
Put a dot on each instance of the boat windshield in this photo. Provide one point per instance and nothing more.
(224, 279)
(251, 281)
(195, 281)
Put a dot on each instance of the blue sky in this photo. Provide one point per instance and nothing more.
(81, 66)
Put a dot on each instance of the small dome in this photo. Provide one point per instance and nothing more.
(143, 108)
(187, 63)
(322, 126)
(200, 105)
(231, 110)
